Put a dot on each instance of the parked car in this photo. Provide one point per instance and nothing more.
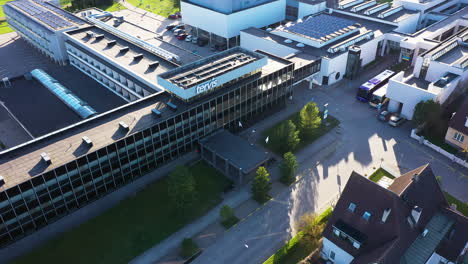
(178, 14)
(396, 120)
(194, 40)
(384, 116)
(181, 36)
(188, 38)
(202, 42)
(170, 27)
(178, 31)
(173, 16)
(180, 26)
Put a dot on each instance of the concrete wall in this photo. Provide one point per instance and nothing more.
(409, 25)
(437, 69)
(229, 26)
(449, 138)
(252, 42)
(330, 67)
(368, 50)
(228, 6)
(308, 9)
(341, 256)
(409, 96)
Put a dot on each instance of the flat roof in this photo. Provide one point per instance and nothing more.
(313, 27)
(456, 54)
(125, 59)
(144, 34)
(236, 150)
(47, 14)
(201, 71)
(24, 161)
(396, 17)
(418, 82)
(366, 25)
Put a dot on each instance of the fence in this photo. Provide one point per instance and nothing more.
(452, 157)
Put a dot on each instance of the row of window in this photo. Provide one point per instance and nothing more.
(44, 198)
(366, 216)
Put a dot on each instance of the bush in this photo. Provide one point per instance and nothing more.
(288, 168)
(228, 218)
(189, 248)
(181, 187)
(261, 185)
(309, 120)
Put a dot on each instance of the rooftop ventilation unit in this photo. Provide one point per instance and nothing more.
(390, 12)
(45, 157)
(87, 141)
(111, 43)
(349, 4)
(138, 57)
(124, 49)
(156, 112)
(123, 126)
(153, 65)
(99, 37)
(90, 34)
(300, 45)
(269, 29)
(288, 41)
(376, 9)
(363, 6)
(172, 106)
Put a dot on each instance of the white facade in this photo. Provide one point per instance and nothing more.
(305, 9)
(230, 25)
(332, 252)
(252, 42)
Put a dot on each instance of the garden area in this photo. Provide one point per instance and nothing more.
(298, 130)
(304, 242)
(461, 206)
(160, 7)
(139, 222)
(379, 174)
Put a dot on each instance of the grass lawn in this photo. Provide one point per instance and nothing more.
(379, 174)
(160, 7)
(114, 7)
(294, 250)
(133, 226)
(4, 28)
(461, 206)
(322, 130)
(65, 3)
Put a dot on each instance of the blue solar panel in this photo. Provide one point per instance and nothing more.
(320, 26)
(47, 14)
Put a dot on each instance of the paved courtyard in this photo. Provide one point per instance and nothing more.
(363, 144)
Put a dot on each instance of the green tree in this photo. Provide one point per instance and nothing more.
(312, 229)
(288, 168)
(285, 137)
(226, 213)
(181, 187)
(428, 112)
(309, 119)
(261, 185)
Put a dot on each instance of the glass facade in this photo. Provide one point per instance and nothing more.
(47, 197)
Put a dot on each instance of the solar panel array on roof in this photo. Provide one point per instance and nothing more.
(61, 12)
(320, 26)
(44, 14)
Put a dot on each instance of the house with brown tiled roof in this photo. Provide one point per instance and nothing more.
(410, 222)
(457, 133)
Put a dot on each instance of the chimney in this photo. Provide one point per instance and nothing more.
(385, 214)
(416, 213)
(415, 177)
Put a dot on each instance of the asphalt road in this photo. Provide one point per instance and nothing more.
(362, 144)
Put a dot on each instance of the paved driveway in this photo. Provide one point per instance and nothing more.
(362, 144)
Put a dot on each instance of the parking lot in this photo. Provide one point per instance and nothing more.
(147, 26)
(41, 112)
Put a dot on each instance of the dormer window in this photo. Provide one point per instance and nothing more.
(352, 207)
(366, 216)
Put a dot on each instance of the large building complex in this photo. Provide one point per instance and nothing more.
(50, 177)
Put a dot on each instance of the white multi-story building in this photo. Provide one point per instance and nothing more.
(42, 24)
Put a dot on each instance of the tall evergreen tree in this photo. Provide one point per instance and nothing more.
(261, 185)
(181, 187)
(288, 168)
(309, 119)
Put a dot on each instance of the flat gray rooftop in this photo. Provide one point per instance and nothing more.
(454, 55)
(396, 17)
(417, 82)
(236, 149)
(126, 59)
